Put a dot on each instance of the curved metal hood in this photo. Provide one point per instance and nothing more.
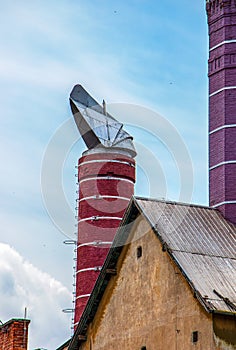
(99, 130)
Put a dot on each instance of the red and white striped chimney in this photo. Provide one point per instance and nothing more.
(106, 174)
(106, 184)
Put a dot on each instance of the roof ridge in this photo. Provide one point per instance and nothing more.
(161, 200)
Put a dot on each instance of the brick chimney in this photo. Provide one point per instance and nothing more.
(106, 177)
(222, 106)
(14, 335)
(106, 184)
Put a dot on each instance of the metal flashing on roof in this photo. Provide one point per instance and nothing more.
(168, 201)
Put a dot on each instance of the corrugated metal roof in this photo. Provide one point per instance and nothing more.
(202, 243)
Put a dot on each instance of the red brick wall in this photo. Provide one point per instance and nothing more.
(14, 335)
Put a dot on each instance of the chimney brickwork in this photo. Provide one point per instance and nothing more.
(106, 184)
(222, 106)
(14, 335)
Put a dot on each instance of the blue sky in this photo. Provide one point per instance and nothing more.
(146, 54)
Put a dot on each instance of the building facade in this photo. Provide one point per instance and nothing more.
(168, 282)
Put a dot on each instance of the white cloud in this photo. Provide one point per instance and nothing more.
(23, 285)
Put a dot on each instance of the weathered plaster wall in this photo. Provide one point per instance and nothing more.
(148, 303)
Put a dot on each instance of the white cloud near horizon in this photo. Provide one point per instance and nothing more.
(23, 285)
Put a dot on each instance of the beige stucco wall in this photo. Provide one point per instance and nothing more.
(148, 303)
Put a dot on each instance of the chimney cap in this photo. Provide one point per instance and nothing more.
(99, 130)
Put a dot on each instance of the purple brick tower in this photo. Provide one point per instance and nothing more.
(222, 106)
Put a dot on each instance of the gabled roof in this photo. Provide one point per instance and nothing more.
(198, 239)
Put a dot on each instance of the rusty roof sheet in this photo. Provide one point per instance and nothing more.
(202, 243)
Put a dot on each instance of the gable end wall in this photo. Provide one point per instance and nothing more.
(148, 303)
